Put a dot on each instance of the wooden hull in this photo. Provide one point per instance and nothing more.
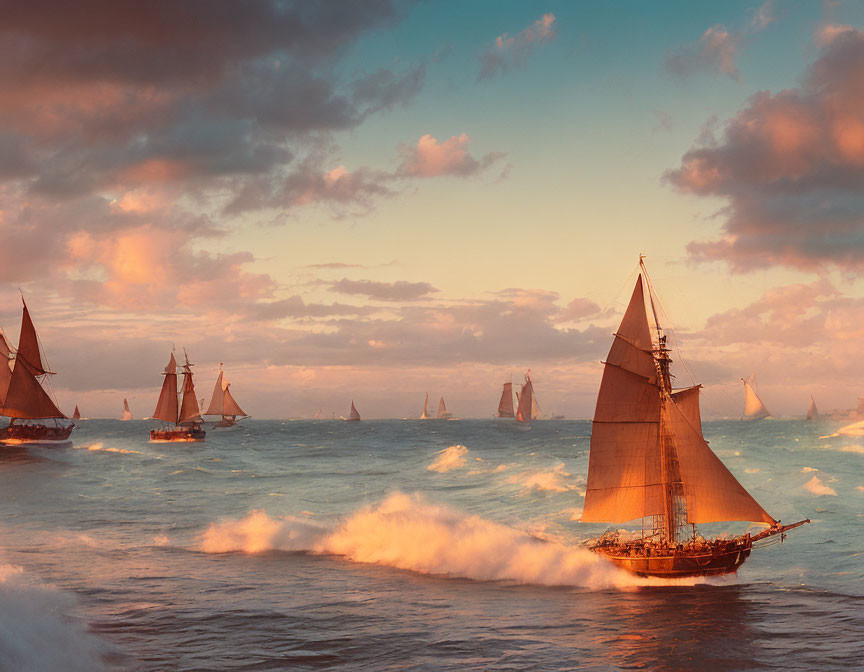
(177, 435)
(17, 435)
(713, 561)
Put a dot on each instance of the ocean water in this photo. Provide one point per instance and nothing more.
(405, 545)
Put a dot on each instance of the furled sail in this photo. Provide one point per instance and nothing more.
(26, 399)
(217, 400)
(28, 345)
(229, 406)
(526, 399)
(425, 414)
(189, 409)
(354, 414)
(505, 406)
(812, 413)
(754, 409)
(127, 414)
(166, 407)
(624, 471)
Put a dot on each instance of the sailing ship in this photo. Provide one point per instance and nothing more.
(525, 409)
(127, 414)
(353, 416)
(425, 414)
(223, 404)
(505, 405)
(185, 416)
(443, 413)
(812, 412)
(76, 414)
(23, 396)
(754, 409)
(319, 415)
(648, 460)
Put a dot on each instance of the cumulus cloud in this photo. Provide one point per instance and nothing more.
(384, 291)
(430, 158)
(507, 52)
(715, 51)
(791, 167)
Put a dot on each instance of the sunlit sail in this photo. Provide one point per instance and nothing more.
(754, 409)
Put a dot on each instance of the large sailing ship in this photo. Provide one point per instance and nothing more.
(223, 404)
(185, 416)
(648, 460)
(33, 416)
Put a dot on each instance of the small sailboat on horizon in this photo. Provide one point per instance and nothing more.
(527, 404)
(648, 460)
(353, 416)
(812, 412)
(754, 408)
(127, 414)
(443, 413)
(425, 414)
(222, 403)
(185, 416)
(23, 396)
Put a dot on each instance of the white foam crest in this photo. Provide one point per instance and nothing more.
(550, 481)
(406, 532)
(449, 458)
(817, 487)
(36, 633)
(101, 447)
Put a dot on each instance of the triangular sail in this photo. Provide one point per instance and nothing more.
(229, 406)
(425, 414)
(26, 399)
(5, 366)
(354, 413)
(190, 412)
(505, 405)
(76, 415)
(319, 414)
(754, 409)
(28, 345)
(442, 409)
(217, 400)
(713, 494)
(624, 471)
(526, 399)
(166, 407)
(812, 412)
(535, 408)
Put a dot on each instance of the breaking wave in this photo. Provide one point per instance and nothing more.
(406, 532)
(549, 481)
(36, 633)
(449, 458)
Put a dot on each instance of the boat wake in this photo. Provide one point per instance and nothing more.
(406, 532)
(35, 632)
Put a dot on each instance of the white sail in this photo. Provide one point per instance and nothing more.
(754, 409)
(425, 415)
(812, 413)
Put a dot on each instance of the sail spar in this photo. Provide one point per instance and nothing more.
(647, 446)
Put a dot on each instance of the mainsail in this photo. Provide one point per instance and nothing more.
(425, 414)
(526, 400)
(505, 406)
(754, 409)
(443, 413)
(354, 414)
(648, 456)
(812, 413)
(76, 415)
(127, 414)
(217, 401)
(166, 407)
(189, 409)
(28, 345)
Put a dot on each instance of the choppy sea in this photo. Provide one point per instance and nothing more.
(405, 545)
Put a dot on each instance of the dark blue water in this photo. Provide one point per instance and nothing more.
(329, 545)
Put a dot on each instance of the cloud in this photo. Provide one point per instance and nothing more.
(715, 51)
(429, 158)
(507, 52)
(791, 167)
(384, 291)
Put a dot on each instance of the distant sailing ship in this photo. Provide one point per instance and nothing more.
(505, 405)
(754, 409)
(223, 404)
(319, 415)
(425, 414)
(353, 416)
(184, 416)
(24, 397)
(527, 404)
(649, 460)
(127, 414)
(443, 413)
(812, 412)
(76, 414)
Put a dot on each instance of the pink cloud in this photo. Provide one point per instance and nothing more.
(791, 166)
(430, 158)
(506, 51)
